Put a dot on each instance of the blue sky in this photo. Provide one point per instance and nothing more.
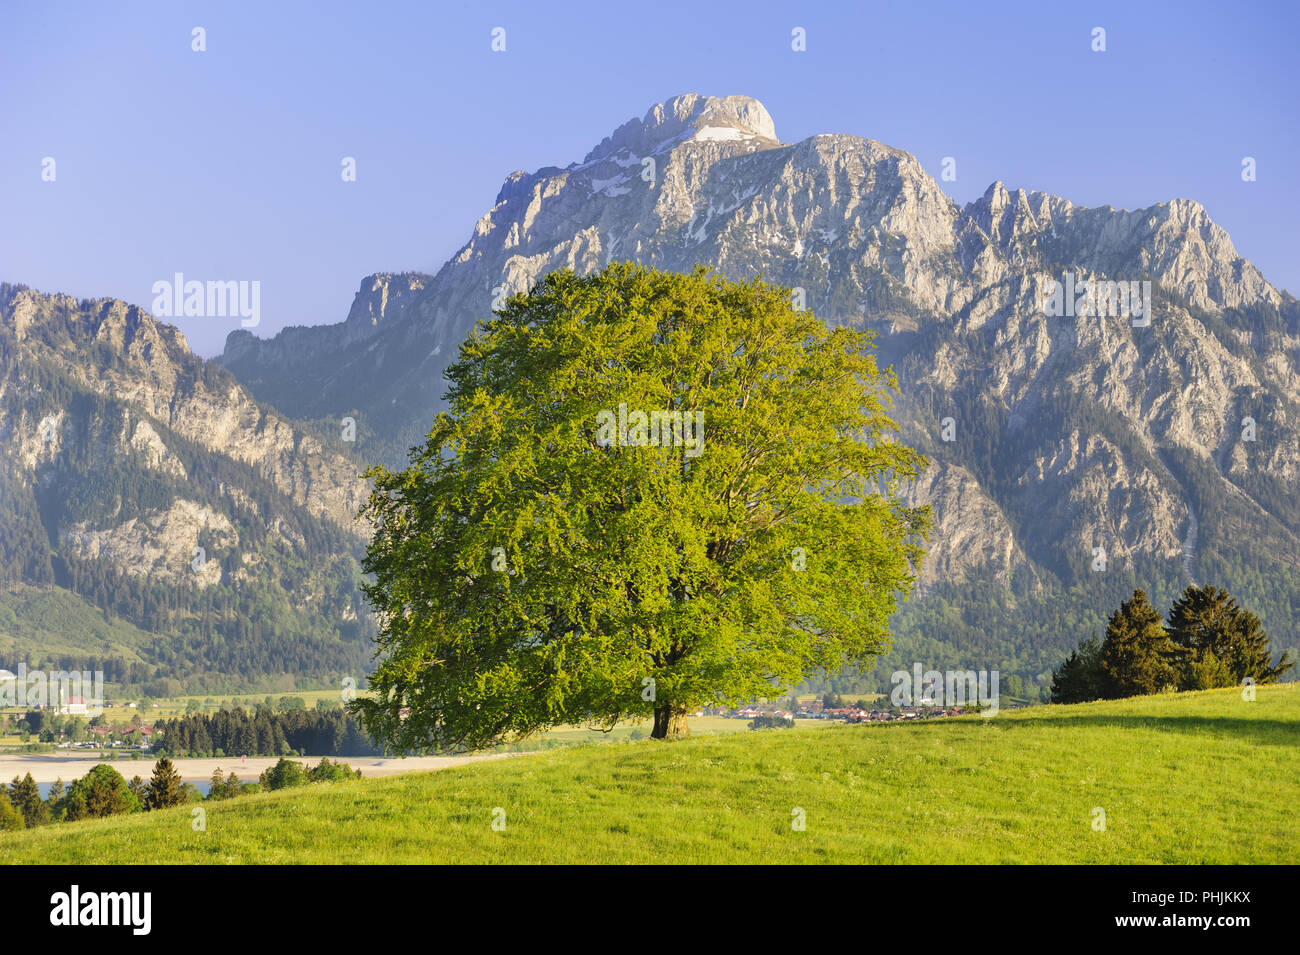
(225, 164)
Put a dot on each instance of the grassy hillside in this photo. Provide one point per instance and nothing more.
(49, 622)
(1197, 777)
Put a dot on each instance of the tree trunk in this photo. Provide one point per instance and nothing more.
(670, 723)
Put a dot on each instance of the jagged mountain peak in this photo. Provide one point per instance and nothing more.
(118, 353)
(64, 321)
(378, 297)
(690, 118)
(1052, 434)
(860, 226)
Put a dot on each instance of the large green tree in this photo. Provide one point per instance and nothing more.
(1222, 642)
(651, 491)
(1136, 656)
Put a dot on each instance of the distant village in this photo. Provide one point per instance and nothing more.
(76, 725)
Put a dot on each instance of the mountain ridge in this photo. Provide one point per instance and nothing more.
(154, 486)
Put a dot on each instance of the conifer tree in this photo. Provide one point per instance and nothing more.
(164, 788)
(1137, 657)
(25, 796)
(1079, 678)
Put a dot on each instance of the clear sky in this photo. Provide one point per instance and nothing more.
(225, 164)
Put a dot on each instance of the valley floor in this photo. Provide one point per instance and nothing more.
(1188, 778)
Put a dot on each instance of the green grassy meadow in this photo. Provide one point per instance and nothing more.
(41, 622)
(1188, 778)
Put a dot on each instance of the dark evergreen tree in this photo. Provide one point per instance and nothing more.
(54, 798)
(1137, 657)
(1222, 643)
(217, 785)
(1079, 678)
(164, 789)
(26, 798)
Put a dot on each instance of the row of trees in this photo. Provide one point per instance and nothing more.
(101, 792)
(264, 732)
(285, 774)
(105, 792)
(1209, 640)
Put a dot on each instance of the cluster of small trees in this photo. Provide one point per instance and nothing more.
(833, 701)
(765, 722)
(101, 792)
(105, 792)
(287, 773)
(1208, 640)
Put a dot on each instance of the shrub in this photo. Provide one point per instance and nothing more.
(766, 722)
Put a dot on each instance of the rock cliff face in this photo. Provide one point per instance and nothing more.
(118, 352)
(1079, 446)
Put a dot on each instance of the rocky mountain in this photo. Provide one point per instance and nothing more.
(278, 370)
(1152, 438)
(154, 486)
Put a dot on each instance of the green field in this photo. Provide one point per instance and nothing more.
(1190, 778)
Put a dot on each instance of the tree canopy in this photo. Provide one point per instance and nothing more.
(101, 792)
(650, 491)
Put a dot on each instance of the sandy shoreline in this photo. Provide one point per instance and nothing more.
(46, 767)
